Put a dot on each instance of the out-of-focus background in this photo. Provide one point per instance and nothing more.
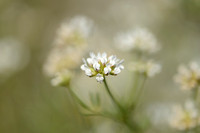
(29, 104)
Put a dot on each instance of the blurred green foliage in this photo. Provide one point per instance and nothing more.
(29, 104)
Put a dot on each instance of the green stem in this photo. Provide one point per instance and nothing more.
(135, 86)
(196, 94)
(124, 113)
(112, 97)
(79, 100)
(139, 94)
(103, 115)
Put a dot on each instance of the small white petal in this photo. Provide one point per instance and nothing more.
(88, 72)
(107, 70)
(121, 67)
(103, 60)
(104, 55)
(84, 61)
(92, 55)
(117, 70)
(96, 66)
(84, 67)
(90, 61)
(99, 78)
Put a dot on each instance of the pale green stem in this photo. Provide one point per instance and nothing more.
(139, 94)
(79, 100)
(135, 86)
(196, 94)
(122, 110)
(103, 115)
(112, 97)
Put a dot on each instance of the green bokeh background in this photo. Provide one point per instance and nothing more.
(29, 104)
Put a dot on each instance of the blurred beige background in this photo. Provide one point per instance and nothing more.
(29, 104)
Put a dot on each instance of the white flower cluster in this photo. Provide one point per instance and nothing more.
(139, 40)
(75, 32)
(188, 77)
(62, 79)
(68, 48)
(186, 117)
(60, 60)
(149, 68)
(100, 65)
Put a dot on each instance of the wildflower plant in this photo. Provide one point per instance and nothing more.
(62, 63)
(187, 118)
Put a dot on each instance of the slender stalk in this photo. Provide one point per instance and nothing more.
(103, 115)
(112, 97)
(79, 100)
(196, 94)
(124, 113)
(139, 94)
(135, 86)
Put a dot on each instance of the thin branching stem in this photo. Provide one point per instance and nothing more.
(112, 97)
(82, 104)
(124, 113)
(139, 94)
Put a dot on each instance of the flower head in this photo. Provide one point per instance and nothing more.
(139, 40)
(67, 50)
(60, 60)
(188, 77)
(75, 32)
(186, 117)
(149, 68)
(62, 78)
(100, 65)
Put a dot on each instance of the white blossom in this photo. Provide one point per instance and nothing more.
(60, 60)
(100, 65)
(99, 78)
(185, 117)
(69, 46)
(62, 78)
(188, 76)
(74, 32)
(149, 68)
(139, 40)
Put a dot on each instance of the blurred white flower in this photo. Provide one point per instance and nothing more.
(62, 78)
(159, 114)
(69, 45)
(13, 56)
(186, 117)
(188, 77)
(149, 68)
(139, 40)
(60, 60)
(75, 32)
(101, 66)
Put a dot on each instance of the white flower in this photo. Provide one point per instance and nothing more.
(60, 60)
(188, 77)
(75, 32)
(107, 70)
(149, 68)
(101, 66)
(60, 65)
(140, 40)
(184, 118)
(99, 78)
(62, 78)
